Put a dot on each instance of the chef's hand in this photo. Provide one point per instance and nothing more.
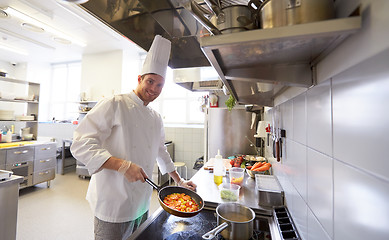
(132, 172)
(187, 184)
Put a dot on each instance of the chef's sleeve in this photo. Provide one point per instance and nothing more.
(164, 159)
(90, 134)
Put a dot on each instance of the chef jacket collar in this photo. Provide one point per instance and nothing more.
(137, 99)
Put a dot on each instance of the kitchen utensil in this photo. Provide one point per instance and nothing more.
(253, 173)
(237, 18)
(270, 191)
(277, 13)
(215, 6)
(234, 220)
(27, 136)
(198, 13)
(236, 175)
(163, 192)
(229, 191)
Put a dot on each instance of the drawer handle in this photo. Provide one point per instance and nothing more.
(44, 149)
(47, 160)
(20, 164)
(21, 152)
(44, 173)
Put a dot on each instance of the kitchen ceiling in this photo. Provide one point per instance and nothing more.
(62, 22)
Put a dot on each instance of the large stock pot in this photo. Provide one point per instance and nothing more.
(278, 13)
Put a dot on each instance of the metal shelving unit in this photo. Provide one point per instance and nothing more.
(257, 65)
(32, 106)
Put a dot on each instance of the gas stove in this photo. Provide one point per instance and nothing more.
(165, 226)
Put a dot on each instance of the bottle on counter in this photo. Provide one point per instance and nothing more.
(218, 169)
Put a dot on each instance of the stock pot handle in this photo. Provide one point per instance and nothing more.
(211, 234)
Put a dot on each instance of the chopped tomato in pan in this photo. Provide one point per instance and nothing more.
(181, 202)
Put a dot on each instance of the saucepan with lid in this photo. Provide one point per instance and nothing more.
(163, 192)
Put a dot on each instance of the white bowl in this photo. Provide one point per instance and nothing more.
(27, 137)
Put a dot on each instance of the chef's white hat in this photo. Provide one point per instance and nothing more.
(158, 57)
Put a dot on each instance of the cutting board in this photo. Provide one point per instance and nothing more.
(14, 144)
(211, 162)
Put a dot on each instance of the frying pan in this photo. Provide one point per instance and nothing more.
(163, 192)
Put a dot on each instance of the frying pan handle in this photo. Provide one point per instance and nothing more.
(211, 234)
(155, 186)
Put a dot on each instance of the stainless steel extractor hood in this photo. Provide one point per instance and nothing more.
(198, 79)
(255, 66)
(141, 20)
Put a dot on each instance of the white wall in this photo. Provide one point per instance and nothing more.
(101, 74)
(334, 164)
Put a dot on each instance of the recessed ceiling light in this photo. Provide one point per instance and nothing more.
(74, 1)
(62, 40)
(32, 27)
(3, 14)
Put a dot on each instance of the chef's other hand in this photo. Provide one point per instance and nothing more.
(187, 184)
(132, 172)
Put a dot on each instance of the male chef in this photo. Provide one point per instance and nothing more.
(119, 141)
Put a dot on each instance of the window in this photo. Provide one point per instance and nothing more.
(179, 105)
(64, 92)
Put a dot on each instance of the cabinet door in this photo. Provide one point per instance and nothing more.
(2, 157)
(20, 154)
(47, 150)
(44, 163)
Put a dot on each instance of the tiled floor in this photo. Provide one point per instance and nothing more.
(59, 212)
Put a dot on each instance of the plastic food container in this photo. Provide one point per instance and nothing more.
(229, 191)
(236, 175)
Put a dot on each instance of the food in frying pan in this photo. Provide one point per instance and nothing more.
(181, 202)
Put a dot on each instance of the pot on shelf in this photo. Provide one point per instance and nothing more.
(237, 18)
(278, 13)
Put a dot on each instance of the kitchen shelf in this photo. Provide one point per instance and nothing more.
(259, 64)
(31, 106)
(16, 100)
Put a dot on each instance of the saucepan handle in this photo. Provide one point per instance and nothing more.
(211, 234)
(155, 186)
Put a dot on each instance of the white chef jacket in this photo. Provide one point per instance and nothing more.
(121, 127)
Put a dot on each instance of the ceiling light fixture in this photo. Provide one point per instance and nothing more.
(3, 14)
(13, 49)
(74, 1)
(31, 21)
(32, 27)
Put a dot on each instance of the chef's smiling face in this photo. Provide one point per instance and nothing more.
(149, 87)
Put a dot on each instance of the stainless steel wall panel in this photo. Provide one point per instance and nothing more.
(361, 209)
(319, 118)
(320, 188)
(300, 119)
(227, 131)
(361, 116)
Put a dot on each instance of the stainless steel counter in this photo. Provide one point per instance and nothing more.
(209, 191)
(9, 194)
(161, 223)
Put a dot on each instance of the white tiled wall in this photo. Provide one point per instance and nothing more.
(334, 168)
(188, 145)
